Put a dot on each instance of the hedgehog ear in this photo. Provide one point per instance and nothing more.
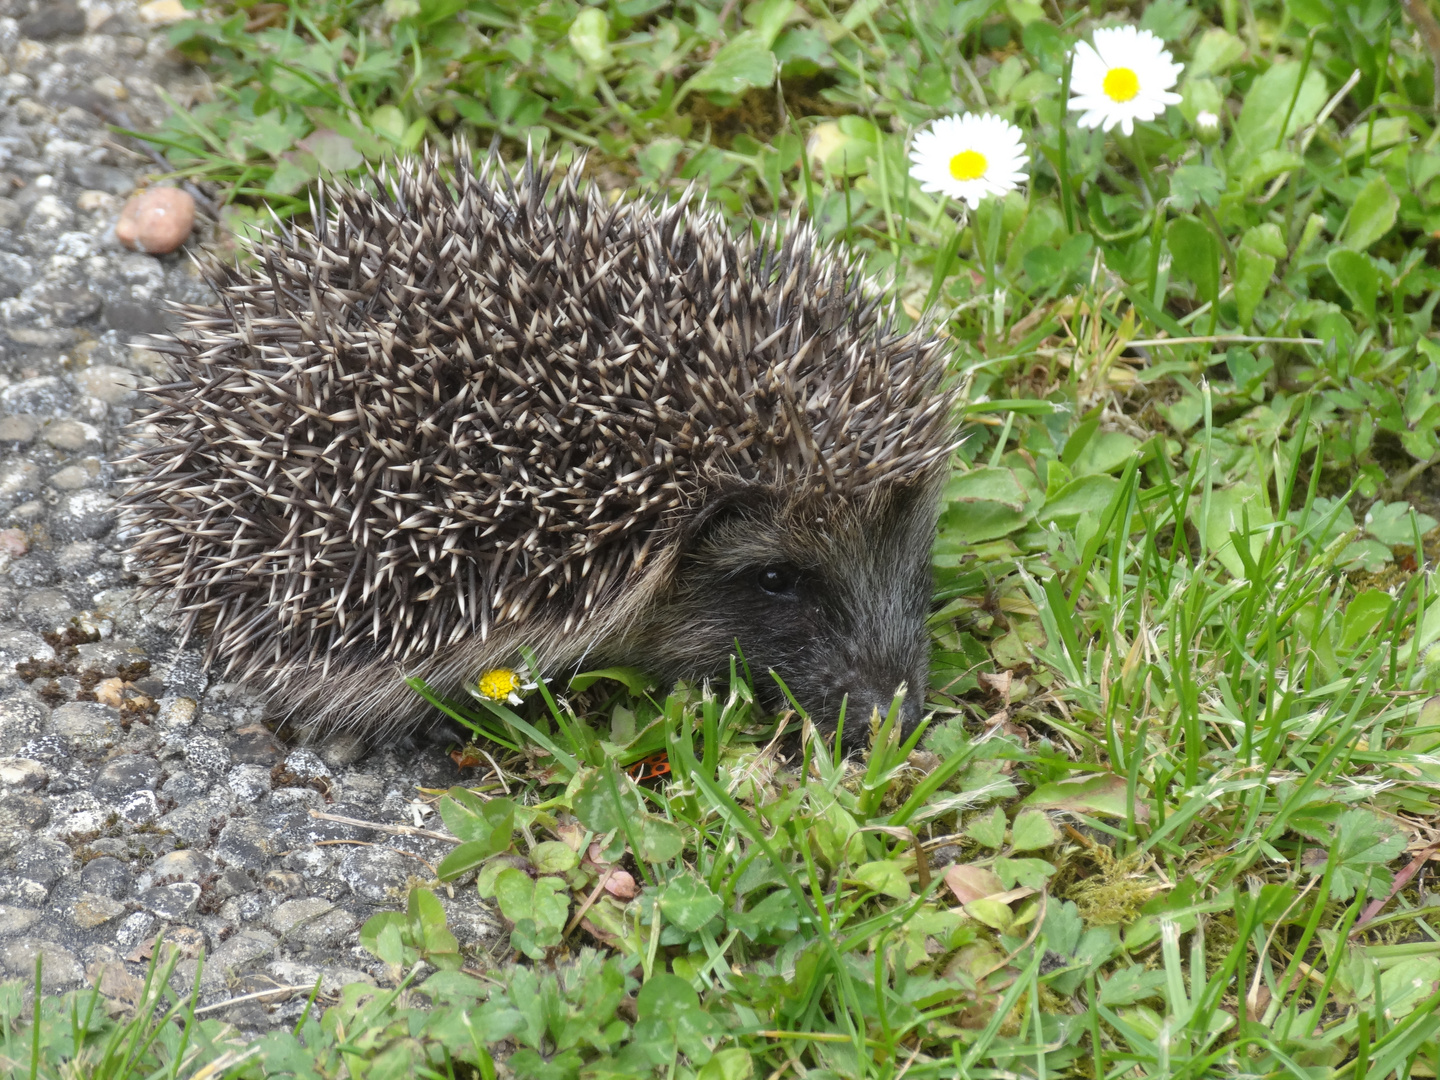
(723, 508)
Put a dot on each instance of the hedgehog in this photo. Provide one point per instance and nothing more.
(476, 412)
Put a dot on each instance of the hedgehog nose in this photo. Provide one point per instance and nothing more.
(862, 703)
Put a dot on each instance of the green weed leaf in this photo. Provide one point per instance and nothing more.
(1272, 99)
(1101, 794)
(1084, 495)
(1216, 51)
(1363, 616)
(989, 829)
(1132, 984)
(595, 803)
(383, 937)
(1029, 873)
(1195, 255)
(336, 153)
(1358, 277)
(1371, 216)
(669, 1018)
(1366, 843)
(1397, 524)
(744, 63)
(885, 877)
(1033, 830)
(427, 920)
(553, 857)
(590, 37)
(658, 840)
(537, 907)
(1194, 184)
(732, 1064)
(688, 903)
(633, 679)
(986, 503)
(486, 828)
(1168, 20)
(776, 913)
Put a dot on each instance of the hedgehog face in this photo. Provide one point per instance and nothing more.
(833, 599)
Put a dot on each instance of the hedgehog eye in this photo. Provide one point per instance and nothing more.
(777, 580)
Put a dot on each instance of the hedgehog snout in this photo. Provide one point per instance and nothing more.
(884, 670)
(865, 700)
(836, 617)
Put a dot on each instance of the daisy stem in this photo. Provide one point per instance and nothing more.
(1299, 83)
(993, 221)
(1063, 163)
(882, 173)
(1384, 70)
(804, 155)
(995, 214)
(1132, 150)
(1157, 235)
(943, 265)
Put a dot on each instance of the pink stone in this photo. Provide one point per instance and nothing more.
(620, 884)
(13, 543)
(156, 221)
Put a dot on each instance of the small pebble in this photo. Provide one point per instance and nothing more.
(21, 429)
(162, 12)
(156, 221)
(70, 478)
(13, 543)
(178, 712)
(110, 692)
(95, 200)
(110, 87)
(22, 774)
(112, 385)
(70, 434)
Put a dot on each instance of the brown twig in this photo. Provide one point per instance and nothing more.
(900, 832)
(1079, 837)
(254, 997)
(1401, 880)
(589, 903)
(394, 830)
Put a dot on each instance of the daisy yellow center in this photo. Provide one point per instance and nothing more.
(498, 684)
(1121, 84)
(968, 165)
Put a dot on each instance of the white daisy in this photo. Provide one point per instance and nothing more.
(1126, 76)
(969, 157)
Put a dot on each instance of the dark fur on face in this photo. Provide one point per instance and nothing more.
(831, 597)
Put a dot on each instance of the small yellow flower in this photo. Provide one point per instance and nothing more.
(502, 684)
(969, 157)
(1125, 76)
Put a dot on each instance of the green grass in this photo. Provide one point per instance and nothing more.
(1183, 739)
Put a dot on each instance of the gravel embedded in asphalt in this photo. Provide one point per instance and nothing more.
(136, 795)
